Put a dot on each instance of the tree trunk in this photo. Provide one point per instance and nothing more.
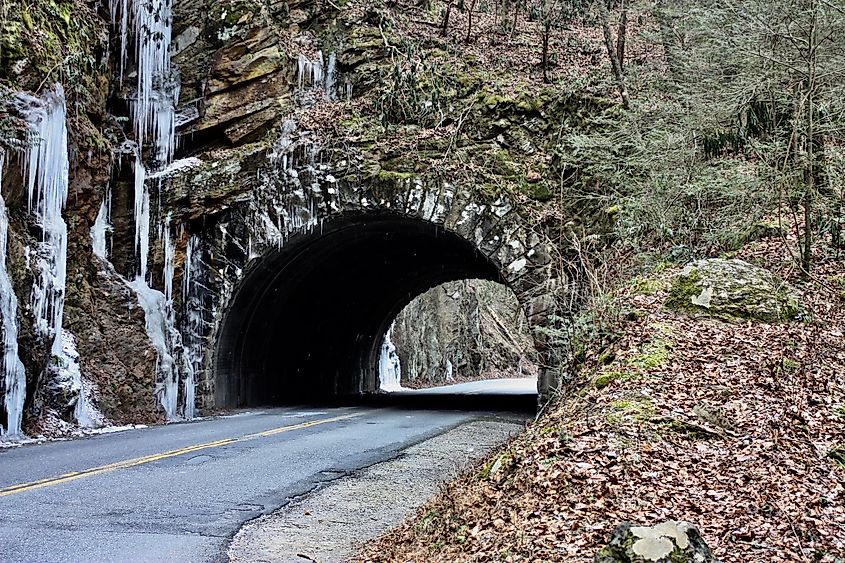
(445, 30)
(622, 35)
(809, 187)
(469, 20)
(668, 40)
(612, 54)
(547, 28)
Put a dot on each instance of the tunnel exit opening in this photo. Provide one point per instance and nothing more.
(308, 320)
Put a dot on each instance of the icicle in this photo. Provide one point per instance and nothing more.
(120, 9)
(193, 337)
(165, 115)
(389, 368)
(14, 377)
(317, 70)
(142, 217)
(189, 267)
(303, 66)
(101, 227)
(331, 72)
(153, 110)
(47, 168)
(169, 259)
(317, 74)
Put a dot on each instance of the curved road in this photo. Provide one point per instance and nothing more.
(180, 492)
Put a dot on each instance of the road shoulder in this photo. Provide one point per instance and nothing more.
(331, 523)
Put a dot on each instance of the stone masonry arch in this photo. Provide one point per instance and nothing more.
(303, 265)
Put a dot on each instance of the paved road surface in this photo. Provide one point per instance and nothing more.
(180, 492)
(525, 386)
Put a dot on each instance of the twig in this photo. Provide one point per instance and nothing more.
(756, 545)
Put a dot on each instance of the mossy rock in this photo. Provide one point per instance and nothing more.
(668, 542)
(758, 231)
(734, 291)
(606, 378)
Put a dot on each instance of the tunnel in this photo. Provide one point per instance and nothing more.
(307, 320)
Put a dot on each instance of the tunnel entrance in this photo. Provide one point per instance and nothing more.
(308, 320)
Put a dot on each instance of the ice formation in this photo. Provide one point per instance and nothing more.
(142, 217)
(14, 377)
(101, 228)
(87, 416)
(389, 368)
(153, 109)
(120, 11)
(318, 74)
(154, 122)
(169, 258)
(162, 333)
(46, 170)
(193, 318)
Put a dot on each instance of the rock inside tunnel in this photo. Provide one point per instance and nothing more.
(307, 321)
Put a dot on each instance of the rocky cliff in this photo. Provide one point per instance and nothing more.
(464, 330)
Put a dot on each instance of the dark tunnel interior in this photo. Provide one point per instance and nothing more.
(307, 321)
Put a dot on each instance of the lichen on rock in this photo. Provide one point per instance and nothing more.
(732, 290)
(667, 542)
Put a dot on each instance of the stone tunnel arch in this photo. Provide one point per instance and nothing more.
(307, 319)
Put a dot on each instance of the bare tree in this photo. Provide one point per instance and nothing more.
(622, 33)
(444, 28)
(470, 8)
(614, 48)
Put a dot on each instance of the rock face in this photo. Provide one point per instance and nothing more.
(668, 542)
(733, 290)
(461, 330)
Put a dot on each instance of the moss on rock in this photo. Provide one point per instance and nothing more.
(732, 290)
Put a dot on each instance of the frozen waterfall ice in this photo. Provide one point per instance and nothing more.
(86, 415)
(161, 332)
(193, 316)
(153, 109)
(101, 228)
(14, 377)
(46, 170)
(154, 118)
(389, 368)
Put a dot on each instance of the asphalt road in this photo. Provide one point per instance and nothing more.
(514, 387)
(180, 492)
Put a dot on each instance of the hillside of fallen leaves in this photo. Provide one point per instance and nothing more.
(738, 428)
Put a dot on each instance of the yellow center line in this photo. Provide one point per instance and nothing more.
(127, 463)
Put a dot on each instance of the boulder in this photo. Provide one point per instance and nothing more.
(733, 290)
(669, 542)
